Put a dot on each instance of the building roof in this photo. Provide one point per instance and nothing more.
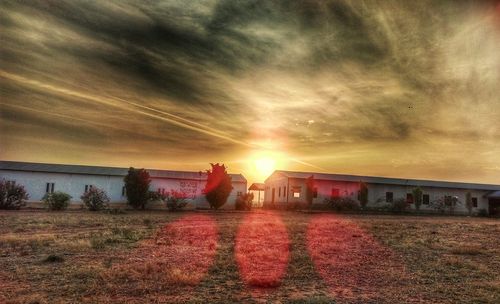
(257, 186)
(112, 171)
(386, 180)
(495, 194)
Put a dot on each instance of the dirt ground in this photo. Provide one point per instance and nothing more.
(251, 257)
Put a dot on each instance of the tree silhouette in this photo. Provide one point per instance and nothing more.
(137, 187)
(310, 190)
(363, 194)
(218, 187)
(417, 197)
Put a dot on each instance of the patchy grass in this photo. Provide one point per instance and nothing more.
(138, 257)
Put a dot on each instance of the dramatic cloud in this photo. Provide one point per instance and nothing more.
(395, 88)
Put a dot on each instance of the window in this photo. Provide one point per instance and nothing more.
(124, 191)
(474, 202)
(11, 182)
(335, 192)
(284, 191)
(239, 193)
(279, 192)
(315, 192)
(425, 199)
(88, 187)
(49, 188)
(389, 197)
(296, 191)
(409, 198)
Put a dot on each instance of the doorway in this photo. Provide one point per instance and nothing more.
(494, 206)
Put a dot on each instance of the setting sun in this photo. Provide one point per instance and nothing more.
(264, 166)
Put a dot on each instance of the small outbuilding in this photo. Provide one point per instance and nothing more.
(257, 199)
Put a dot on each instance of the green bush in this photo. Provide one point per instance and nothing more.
(244, 202)
(95, 199)
(343, 204)
(57, 200)
(399, 205)
(12, 196)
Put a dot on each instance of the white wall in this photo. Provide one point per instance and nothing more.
(74, 185)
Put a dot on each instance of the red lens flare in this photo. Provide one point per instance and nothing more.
(262, 250)
(352, 263)
(179, 255)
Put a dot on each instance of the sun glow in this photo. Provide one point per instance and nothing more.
(264, 166)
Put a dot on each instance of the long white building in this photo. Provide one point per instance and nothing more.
(39, 179)
(288, 188)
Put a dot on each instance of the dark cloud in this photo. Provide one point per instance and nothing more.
(225, 75)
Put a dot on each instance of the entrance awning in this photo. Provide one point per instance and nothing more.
(257, 187)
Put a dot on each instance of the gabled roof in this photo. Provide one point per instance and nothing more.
(111, 171)
(385, 180)
(257, 186)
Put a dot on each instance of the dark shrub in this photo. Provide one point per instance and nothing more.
(57, 200)
(399, 205)
(244, 202)
(343, 204)
(53, 258)
(12, 196)
(95, 199)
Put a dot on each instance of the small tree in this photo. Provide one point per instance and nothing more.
(218, 187)
(310, 190)
(12, 196)
(95, 199)
(468, 202)
(137, 187)
(363, 194)
(57, 200)
(244, 202)
(176, 200)
(417, 197)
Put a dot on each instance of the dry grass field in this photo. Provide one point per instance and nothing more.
(289, 257)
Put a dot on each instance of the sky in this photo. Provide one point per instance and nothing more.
(388, 88)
